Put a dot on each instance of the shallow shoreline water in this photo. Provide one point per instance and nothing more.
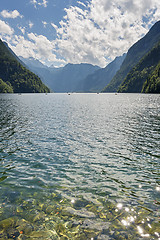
(79, 166)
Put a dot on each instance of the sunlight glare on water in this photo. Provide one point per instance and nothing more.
(80, 166)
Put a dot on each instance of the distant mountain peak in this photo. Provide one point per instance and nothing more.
(63, 79)
(32, 61)
(96, 81)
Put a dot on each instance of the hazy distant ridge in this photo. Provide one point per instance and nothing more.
(96, 81)
(63, 79)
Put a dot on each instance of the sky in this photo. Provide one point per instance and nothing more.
(57, 32)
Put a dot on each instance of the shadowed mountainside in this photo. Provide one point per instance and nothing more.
(15, 77)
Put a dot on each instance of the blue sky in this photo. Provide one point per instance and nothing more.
(36, 12)
(68, 31)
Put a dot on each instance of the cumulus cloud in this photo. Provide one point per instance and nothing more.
(81, 3)
(43, 46)
(103, 29)
(30, 24)
(31, 45)
(54, 26)
(95, 32)
(44, 3)
(10, 14)
(22, 46)
(5, 29)
(36, 3)
(36, 46)
(22, 29)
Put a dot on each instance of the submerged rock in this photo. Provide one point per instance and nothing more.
(50, 209)
(95, 225)
(13, 234)
(12, 196)
(39, 216)
(3, 235)
(7, 223)
(80, 204)
(19, 209)
(63, 232)
(40, 235)
(24, 226)
(82, 213)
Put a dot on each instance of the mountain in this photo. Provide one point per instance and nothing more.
(15, 77)
(144, 77)
(5, 88)
(96, 81)
(68, 78)
(45, 73)
(16, 57)
(32, 62)
(63, 79)
(152, 84)
(135, 53)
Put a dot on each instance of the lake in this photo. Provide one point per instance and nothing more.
(79, 166)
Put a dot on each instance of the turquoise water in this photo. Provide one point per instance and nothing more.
(79, 166)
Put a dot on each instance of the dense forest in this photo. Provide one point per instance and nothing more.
(15, 77)
(152, 83)
(144, 77)
(5, 87)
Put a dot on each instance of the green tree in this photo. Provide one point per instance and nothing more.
(5, 88)
(21, 79)
(144, 77)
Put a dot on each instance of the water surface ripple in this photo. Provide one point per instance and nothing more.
(95, 156)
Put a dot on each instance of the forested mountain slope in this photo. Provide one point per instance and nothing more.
(137, 79)
(16, 76)
(134, 55)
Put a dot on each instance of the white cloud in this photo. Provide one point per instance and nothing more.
(54, 26)
(36, 3)
(104, 29)
(44, 3)
(22, 47)
(44, 24)
(30, 45)
(11, 14)
(36, 46)
(22, 29)
(81, 3)
(93, 33)
(5, 29)
(30, 24)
